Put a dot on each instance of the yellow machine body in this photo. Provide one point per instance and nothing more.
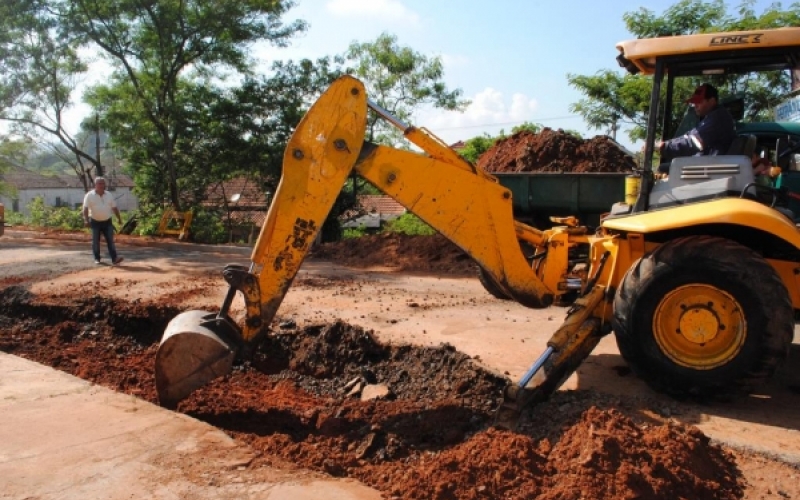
(697, 322)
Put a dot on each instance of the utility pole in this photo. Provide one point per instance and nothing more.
(614, 126)
(97, 144)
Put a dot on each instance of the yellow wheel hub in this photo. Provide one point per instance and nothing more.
(699, 326)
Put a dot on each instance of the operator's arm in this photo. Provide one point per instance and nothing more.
(689, 144)
(712, 136)
(116, 212)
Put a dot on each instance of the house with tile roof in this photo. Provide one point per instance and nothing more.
(373, 212)
(59, 190)
(245, 202)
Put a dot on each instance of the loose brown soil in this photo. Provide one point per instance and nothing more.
(303, 399)
(555, 151)
(420, 254)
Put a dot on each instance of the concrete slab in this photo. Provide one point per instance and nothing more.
(64, 438)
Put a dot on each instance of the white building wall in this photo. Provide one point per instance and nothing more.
(125, 199)
(51, 196)
(70, 197)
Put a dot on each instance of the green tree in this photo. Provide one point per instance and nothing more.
(399, 80)
(259, 117)
(221, 132)
(13, 153)
(611, 97)
(41, 67)
(476, 146)
(533, 128)
(154, 48)
(151, 44)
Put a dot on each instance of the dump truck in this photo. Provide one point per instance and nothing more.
(538, 196)
(697, 279)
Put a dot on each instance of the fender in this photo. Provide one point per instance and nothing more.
(736, 211)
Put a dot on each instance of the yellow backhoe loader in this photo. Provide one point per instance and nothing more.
(698, 278)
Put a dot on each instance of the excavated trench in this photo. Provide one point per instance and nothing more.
(412, 422)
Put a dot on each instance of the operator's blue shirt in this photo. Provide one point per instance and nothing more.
(716, 132)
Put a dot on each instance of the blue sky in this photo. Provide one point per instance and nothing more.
(509, 57)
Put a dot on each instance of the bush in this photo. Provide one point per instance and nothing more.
(15, 218)
(60, 217)
(208, 227)
(353, 232)
(409, 224)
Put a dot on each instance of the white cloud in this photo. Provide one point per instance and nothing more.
(522, 107)
(490, 111)
(375, 9)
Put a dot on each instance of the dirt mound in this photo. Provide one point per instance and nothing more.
(555, 151)
(412, 422)
(602, 455)
(423, 254)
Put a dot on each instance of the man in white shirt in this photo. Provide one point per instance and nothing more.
(98, 207)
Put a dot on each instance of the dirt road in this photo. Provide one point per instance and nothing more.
(422, 310)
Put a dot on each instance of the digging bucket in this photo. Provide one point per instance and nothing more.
(196, 348)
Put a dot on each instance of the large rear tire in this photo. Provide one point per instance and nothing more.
(702, 316)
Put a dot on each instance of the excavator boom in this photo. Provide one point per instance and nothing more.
(463, 203)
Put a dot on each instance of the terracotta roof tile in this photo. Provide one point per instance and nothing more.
(238, 192)
(21, 178)
(381, 204)
(120, 180)
(70, 181)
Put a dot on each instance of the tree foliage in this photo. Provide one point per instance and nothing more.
(223, 132)
(41, 67)
(612, 97)
(155, 49)
(181, 104)
(13, 154)
(399, 80)
(476, 146)
(151, 45)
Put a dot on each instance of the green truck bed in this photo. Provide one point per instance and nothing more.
(540, 195)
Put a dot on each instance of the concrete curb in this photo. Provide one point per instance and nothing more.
(64, 438)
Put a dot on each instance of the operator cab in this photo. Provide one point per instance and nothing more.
(678, 65)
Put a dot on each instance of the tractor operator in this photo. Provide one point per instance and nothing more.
(713, 135)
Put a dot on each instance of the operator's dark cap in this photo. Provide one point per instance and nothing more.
(703, 92)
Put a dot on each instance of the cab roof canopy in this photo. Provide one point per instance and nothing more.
(713, 53)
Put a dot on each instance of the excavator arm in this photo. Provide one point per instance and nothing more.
(463, 203)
